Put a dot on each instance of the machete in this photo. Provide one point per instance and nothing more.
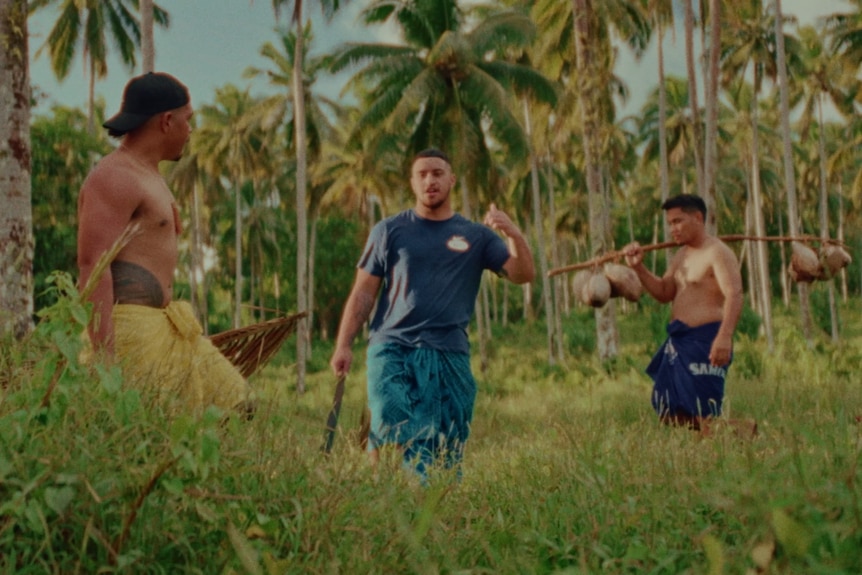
(332, 419)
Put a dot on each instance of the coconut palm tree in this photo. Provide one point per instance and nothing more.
(585, 29)
(364, 178)
(710, 164)
(845, 32)
(692, 95)
(750, 40)
(845, 168)
(282, 109)
(449, 87)
(584, 64)
(230, 143)
(188, 179)
(749, 166)
(329, 8)
(830, 75)
(794, 222)
(16, 224)
(279, 109)
(678, 138)
(661, 16)
(88, 25)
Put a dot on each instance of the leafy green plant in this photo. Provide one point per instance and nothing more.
(566, 471)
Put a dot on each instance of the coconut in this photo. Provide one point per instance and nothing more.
(597, 290)
(624, 282)
(834, 258)
(579, 282)
(804, 264)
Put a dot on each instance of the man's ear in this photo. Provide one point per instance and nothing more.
(165, 120)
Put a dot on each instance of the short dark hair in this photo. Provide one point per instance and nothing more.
(431, 153)
(688, 203)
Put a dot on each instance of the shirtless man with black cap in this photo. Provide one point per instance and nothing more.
(135, 320)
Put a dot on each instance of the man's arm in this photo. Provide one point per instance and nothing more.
(663, 289)
(519, 268)
(729, 281)
(357, 310)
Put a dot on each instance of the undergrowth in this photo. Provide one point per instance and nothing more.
(566, 472)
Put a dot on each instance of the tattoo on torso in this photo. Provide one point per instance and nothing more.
(134, 284)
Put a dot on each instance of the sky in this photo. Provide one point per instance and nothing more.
(211, 42)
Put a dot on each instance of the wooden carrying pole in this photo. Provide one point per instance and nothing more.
(617, 254)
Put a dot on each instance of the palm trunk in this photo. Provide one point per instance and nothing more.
(237, 309)
(793, 220)
(540, 238)
(16, 220)
(764, 290)
(312, 250)
(504, 321)
(824, 217)
(664, 177)
(841, 239)
(711, 152)
(692, 96)
(481, 328)
(662, 135)
(301, 207)
(785, 281)
(558, 284)
(148, 50)
(749, 258)
(600, 241)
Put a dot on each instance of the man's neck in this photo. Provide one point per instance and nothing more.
(698, 241)
(140, 152)
(437, 214)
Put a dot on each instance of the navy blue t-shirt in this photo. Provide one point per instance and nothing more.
(431, 272)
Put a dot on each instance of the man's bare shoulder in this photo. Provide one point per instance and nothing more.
(112, 176)
(722, 248)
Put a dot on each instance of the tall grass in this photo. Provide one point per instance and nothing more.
(567, 470)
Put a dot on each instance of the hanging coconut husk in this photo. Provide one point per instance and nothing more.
(624, 282)
(597, 290)
(805, 265)
(579, 284)
(834, 258)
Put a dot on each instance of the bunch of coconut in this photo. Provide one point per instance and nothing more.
(806, 265)
(594, 287)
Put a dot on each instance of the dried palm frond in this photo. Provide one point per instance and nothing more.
(250, 348)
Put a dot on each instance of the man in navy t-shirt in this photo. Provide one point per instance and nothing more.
(422, 268)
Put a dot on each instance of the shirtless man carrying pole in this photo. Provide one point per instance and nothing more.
(705, 287)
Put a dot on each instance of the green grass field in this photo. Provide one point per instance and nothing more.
(567, 470)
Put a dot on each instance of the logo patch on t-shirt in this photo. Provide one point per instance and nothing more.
(458, 244)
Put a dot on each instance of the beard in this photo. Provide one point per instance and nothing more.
(437, 202)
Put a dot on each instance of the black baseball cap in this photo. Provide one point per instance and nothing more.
(144, 97)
